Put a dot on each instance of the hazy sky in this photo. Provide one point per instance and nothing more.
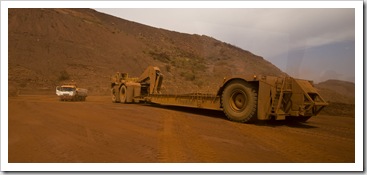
(312, 43)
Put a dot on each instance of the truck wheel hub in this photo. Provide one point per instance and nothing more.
(238, 101)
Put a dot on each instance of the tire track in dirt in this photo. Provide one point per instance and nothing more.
(102, 137)
(64, 138)
(78, 131)
(48, 147)
(337, 142)
(82, 128)
(318, 134)
(170, 147)
(194, 142)
(55, 150)
(181, 143)
(42, 129)
(292, 148)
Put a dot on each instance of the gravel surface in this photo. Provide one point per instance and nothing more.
(44, 130)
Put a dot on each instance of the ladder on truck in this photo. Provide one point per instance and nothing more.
(283, 92)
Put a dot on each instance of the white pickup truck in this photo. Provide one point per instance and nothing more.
(71, 92)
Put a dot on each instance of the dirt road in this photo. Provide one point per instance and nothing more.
(43, 129)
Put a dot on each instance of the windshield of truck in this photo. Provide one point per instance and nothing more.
(67, 89)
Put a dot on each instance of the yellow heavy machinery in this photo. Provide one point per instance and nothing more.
(241, 98)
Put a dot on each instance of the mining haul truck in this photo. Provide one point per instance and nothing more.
(241, 98)
(70, 92)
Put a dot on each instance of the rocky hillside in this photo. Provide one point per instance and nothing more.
(49, 46)
(340, 95)
(337, 91)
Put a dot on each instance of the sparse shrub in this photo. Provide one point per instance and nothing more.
(23, 84)
(168, 68)
(199, 83)
(64, 75)
(160, 56)
(188, 76)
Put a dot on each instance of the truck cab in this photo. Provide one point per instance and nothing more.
(71, 92)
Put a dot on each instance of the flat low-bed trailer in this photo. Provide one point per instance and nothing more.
(241, 98)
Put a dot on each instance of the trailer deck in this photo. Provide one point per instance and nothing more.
(196, 100)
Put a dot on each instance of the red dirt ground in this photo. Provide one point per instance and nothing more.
(43, 129)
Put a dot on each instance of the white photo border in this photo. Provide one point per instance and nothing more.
(357, 166)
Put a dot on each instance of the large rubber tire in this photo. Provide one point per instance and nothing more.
(123, 92)
(239, 101)
(115, 96)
